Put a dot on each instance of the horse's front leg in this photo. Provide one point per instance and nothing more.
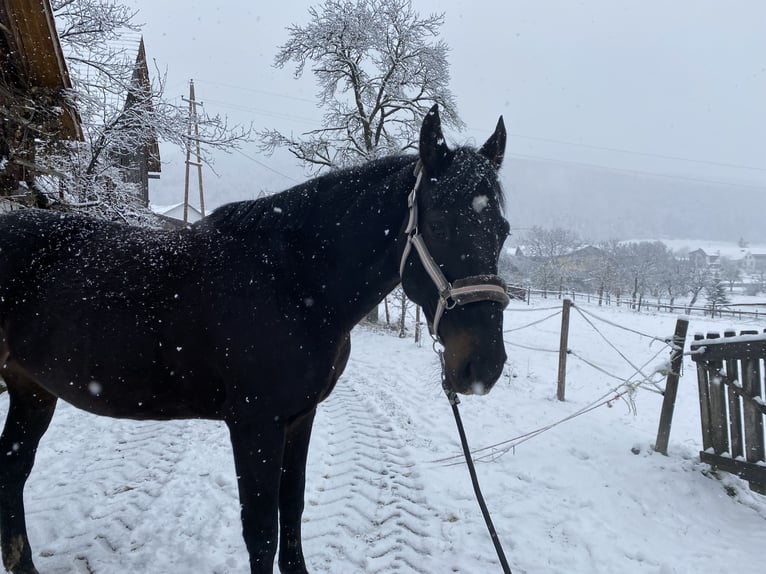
(30, 411)
(258, 444)
(291, 492)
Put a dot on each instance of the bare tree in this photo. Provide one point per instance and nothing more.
(541, 242)
(675, 279)
(379, 66)
(547, 247)
(698, 277)
(605, 272)
(642, 267)
(731, 272)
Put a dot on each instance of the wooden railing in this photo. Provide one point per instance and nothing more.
(730, 375)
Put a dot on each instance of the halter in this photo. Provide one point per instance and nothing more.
(467, 290)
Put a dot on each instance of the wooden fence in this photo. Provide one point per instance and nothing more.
(730, 375)
(734, 310)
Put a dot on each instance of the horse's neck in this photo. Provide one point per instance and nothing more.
(362, 253)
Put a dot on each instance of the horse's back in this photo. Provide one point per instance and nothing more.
(84, 301)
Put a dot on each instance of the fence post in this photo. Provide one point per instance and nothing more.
(671, 386)
(563, 350)
(418, 326)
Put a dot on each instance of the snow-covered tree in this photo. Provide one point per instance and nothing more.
(715, 293)
(547, 247)
(643, 265)
(605, 272)
(100, 41)
(380, 66)
(731, 272)
(541, 242)
(674, 279)
(698, 277)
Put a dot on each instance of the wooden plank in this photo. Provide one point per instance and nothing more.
(703, 398)
(734, 403)
(671, 386)
(757, 404)
(749, 347)
(752, 417)
(719, 424)
(702, 384)
(735, 411)
(755, 474)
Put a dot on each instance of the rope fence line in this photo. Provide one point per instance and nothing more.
(504, 447)
(626, 390)
(533, 323)
(608, 342)
(533, 309)
(529, 348)
(647, 380)
(613, 324)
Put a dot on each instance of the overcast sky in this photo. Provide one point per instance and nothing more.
(674, 88)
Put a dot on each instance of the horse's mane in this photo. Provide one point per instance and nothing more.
(330, 196)
(297, 207)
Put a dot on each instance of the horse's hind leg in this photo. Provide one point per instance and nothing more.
(29, 414)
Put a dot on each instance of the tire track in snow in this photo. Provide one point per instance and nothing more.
(133, 496)
(368, 511)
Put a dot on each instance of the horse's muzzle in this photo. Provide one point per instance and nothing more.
(472, 366)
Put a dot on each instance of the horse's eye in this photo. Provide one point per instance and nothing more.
(505, 230)
(439, 229)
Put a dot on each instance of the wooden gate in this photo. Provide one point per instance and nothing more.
(730, 374)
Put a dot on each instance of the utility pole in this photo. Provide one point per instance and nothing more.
(193, 119)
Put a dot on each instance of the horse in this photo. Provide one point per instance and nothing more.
(246, 315)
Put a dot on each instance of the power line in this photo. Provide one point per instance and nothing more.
(256, 91)
(641, 153)
(632, 152)
(262, 112)
(638, 172)
(263, 165)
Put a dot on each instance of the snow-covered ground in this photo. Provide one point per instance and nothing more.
(588, 496)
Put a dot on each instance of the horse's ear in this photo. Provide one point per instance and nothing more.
(434, 153)
(494, 148)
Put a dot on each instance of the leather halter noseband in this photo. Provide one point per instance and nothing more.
(467, 290)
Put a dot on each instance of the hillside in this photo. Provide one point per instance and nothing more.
(601, 204)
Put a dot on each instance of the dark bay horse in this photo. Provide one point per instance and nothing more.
(246, 316)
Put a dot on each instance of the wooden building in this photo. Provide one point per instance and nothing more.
(33, 84)
(140, 163)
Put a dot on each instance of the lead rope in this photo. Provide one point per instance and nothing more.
(475, 288)
(454, 401)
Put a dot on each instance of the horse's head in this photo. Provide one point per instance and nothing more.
(449, 264)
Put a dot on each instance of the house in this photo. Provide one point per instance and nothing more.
(140, 163)
(33, 83)
(701, 259)
(173, 215)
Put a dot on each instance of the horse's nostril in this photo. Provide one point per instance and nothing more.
(476, 378)
(481, 374)
(479, 388)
